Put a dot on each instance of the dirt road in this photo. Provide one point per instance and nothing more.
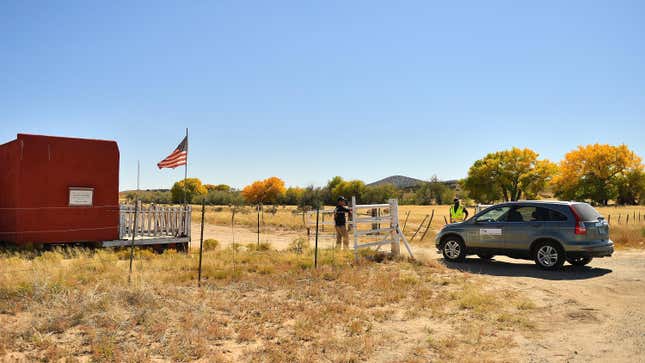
(278, 238)
(584, 314)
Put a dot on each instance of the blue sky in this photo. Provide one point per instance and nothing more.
(305, 90)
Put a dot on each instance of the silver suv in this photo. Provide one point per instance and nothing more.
(547, 232)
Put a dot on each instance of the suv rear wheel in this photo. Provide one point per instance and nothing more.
(579, 261)
(549, 255)
(453, 249)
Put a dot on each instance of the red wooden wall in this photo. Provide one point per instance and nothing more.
(36, 173)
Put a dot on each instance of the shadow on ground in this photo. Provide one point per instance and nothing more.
(526, 269)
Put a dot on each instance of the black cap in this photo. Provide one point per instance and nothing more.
(342, 198)
(455, 200)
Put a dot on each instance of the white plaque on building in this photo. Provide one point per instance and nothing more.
(81, 196)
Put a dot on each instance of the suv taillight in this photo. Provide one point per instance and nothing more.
(580, 225)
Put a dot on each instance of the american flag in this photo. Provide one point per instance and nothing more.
(176, 158)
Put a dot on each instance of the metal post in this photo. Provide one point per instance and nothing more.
(186, 186)
(445, 220)
(186, 170)
(233, 237)
(355, 225)
(134, 233)
(316, 245)
(201, 245)
(258, 210)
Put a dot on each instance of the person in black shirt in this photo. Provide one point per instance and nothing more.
(340, 220)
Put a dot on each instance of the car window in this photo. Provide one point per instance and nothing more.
(522, 214)
(556, 216)
(547, 215)
(496, 214)
(586, 212)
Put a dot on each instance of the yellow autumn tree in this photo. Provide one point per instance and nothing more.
(599, 173)
(509, 175)
(193, 191)
(265, 191)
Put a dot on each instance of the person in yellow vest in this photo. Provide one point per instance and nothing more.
(457, 212)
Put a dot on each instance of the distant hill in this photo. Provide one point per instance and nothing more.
(399, 181)
(406, 182)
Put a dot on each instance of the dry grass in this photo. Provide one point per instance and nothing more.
(265, 306)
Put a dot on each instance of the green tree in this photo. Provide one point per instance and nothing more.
(349, 189)
(379, 193)
(312, 197)
(631, 188)
(434, 192)
(292, 196)
(194, 191)
(509, 175)
(218, 197)
(327, 192)
(218, 187)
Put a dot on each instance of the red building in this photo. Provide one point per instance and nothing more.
(58, 190)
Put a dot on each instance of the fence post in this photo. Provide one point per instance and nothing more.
(134, 233)
(618, 218)
(428, 227)
(354, 219)
(627, 219)
(258, 210)
(201, 246)
(445, 220)
(405, 223)
(420, 225)
(316, 245)
(609, 219)
(394, 214)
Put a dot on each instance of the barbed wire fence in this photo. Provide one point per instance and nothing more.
(632, 217)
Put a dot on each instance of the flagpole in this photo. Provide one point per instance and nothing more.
(186, 171)
(186, 220)
(138, 175)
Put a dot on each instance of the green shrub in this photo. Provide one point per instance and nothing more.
(263, 246)
(299, 245)
(211, 244)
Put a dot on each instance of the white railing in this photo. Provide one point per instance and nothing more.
(154, 221)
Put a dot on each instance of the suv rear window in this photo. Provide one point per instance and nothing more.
(548, 215)
(586, 212)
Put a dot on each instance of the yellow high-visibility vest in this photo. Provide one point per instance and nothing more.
(457, 214)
